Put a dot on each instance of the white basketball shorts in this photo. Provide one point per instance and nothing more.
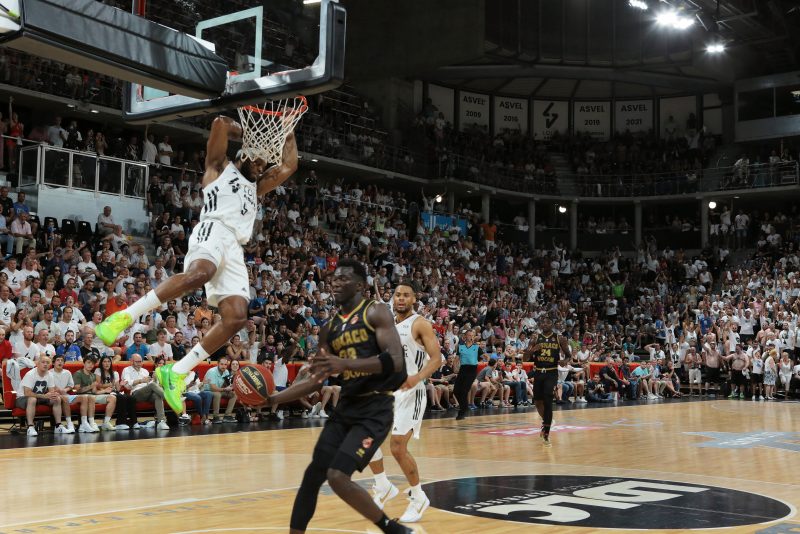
(409, 409)
(213, 241)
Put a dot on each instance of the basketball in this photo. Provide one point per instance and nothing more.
(253, 384)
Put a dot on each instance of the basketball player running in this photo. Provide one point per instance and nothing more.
(215, 257)
(549, 351)
(423, 358)
(371, 365)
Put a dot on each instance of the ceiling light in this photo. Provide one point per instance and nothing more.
(94, 111)
(712, 205)
(309, 2)
(438, 198)
(71, 106)
(674, 20)
(638, 4)
(562, 209)
(314, 160)
(715, 48)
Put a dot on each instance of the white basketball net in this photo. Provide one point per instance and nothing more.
(265, 127)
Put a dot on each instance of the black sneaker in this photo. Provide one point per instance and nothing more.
(229, 419)
(217, 420)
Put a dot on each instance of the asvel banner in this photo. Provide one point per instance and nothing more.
(633, 116)
(593, 118)
(510, 114)
(473, 109)
(549, 117)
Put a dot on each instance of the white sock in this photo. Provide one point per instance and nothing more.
(83, 420)
(381, 480)
(191, 360)
(69, 423)
(416, 491)
(106, 419)
(143, 305)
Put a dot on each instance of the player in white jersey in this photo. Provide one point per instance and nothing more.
(215, 257)
(423, 357)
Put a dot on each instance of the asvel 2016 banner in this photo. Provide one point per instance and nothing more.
(473, 109)
(633, 116)
(549, 117)
(593, 118)
(510, 114)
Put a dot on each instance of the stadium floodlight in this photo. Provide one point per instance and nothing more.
(715, 48)
(712, 205)
(309, 2)
(638, 4)
(673, 19)
(562, 209)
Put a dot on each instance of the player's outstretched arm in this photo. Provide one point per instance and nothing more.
(222, 129)
(277, 175)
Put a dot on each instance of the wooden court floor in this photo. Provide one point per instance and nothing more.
(705, 463)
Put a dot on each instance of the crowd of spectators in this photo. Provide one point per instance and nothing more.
(680, 312)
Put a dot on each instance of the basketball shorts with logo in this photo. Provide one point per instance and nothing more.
(355, 431)
(213, 241)
(409, 409)
(544, 384)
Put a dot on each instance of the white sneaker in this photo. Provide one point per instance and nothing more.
(150, 424)
(108, 426)
(416, 507)
(61, 429)
(316, 409)
(381, 496)
(323, 414)
(123, 426)
(137, 426)
(651, 397)
(760, 397)
(93, 424)
(70, 428)
(85, 428)
(304, 415)
(581, 400)
(279, 413)
(32, 433)
(162, 425)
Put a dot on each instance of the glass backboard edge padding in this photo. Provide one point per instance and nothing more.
(307, 81)
(258, 13)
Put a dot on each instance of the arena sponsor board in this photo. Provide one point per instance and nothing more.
(473, 108)
(510, 114)
(549, 117)
(633, 116)
(534, 430)
(604, 502)
(593, 118)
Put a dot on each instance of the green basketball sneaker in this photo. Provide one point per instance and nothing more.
(110, 329)
(173, 385)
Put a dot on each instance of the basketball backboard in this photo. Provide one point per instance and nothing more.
(273, 49)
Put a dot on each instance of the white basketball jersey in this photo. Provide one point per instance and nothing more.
(231, 201)
(415, 354)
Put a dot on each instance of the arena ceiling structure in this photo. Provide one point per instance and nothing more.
(626, 48)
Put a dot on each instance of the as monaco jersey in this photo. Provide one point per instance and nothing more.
(231, 201)
(415, 354)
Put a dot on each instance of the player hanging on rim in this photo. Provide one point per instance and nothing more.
(423, 357)
(215, 257)
(550, 350)
(371, 364)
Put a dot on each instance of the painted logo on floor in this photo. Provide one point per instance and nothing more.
(601, 502)
(534, 430)
(789, 441)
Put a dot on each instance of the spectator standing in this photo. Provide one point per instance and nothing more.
(149, 149)
(466, 372)
(165, 152)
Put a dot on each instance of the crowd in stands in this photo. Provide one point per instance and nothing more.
(683, 314)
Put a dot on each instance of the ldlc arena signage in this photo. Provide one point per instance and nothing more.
(599, 502)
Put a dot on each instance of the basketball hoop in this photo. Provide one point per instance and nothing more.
(265, 127)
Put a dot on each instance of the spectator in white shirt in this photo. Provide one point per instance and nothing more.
(37, 387)
(56, 135)
(160, 348)
(149, 150)
(165, 152)
(7, 307)
(143, 388)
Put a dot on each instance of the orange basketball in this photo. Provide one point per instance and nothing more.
(253, 384)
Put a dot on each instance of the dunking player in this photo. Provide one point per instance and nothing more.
(371, 364)
(215, 257)
(549, 350)
(423, 358)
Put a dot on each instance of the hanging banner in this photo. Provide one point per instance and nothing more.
(510, 114)
(473, 109)
(549, 117)
(442, 99)
(633, 116)
(593, 118)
